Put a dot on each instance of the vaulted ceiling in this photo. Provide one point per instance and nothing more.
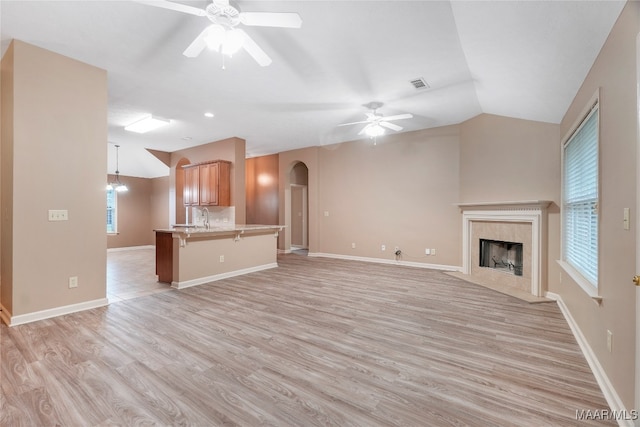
(522, 59)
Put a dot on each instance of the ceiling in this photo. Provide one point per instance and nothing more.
(522, 59)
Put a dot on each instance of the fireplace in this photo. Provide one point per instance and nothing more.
(502, 256)
(504, 244)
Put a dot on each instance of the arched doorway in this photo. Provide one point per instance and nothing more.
(299, 208)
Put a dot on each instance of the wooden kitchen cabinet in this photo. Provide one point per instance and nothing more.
(191, 193)
(208, 184)
(164, 256)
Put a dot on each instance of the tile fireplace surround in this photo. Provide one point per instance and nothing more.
(522, 222)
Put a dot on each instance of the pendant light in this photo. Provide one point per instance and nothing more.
(117, 185)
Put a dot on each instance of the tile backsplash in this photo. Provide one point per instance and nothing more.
(218, 216)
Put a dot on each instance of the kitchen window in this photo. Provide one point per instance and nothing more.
(112, 211)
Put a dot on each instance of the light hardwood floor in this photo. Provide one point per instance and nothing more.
(313, 342)
(131, 274)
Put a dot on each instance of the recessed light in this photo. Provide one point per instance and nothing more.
(187, 138)
(207, 114)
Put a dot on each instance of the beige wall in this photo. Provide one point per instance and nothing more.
(200, 257)
(57, 149)
(6, 180)
(160, 206)
(614, 74)
(262, 190)
(506, 159)
(134, 214)
(400, 192)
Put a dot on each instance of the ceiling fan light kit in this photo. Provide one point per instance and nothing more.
(374, 130)
(223, 35)
(376, 123)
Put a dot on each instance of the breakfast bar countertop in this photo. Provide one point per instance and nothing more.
(186, 230)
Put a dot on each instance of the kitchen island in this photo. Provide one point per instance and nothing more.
(189, 256)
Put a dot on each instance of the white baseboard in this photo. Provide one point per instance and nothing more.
(388, 261)
(610, 394)
(131, 248)
(208, 279)
(52, 312)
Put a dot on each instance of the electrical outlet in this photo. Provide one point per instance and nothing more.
(609, 341)
(353, 246)
(433, 251)
(383, 248)
(73, 282)
(427, 251)
(221, 258)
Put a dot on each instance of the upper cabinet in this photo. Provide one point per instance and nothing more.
(191, 188)
(208, 184)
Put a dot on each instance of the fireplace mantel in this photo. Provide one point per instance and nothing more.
(525, 205)
(533, 212)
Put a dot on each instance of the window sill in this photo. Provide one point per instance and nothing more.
(112, 234)
(586, 286)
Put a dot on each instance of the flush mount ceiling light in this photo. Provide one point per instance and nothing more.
(117, 185)
(208, 114)
(147, 124)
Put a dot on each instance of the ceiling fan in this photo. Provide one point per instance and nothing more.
(377, 122)
(223, 35)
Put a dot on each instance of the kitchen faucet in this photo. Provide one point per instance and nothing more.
(206, 218)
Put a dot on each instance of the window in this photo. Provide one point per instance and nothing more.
(112, 205)
(580, 199)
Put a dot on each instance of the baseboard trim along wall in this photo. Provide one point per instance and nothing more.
(131, 248)
(389, 261)
(52, 312)
(610, 394)
(215, 277)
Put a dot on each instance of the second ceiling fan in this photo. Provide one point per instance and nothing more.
(375, 123)
(223, 35)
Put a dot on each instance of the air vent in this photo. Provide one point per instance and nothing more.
(419, 83)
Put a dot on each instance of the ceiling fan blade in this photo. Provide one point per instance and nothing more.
(353, 123)
(271, 19)
(390, 126)
(254, 50)
(174, 6)
(198, 45)
(364, 129)
(398, 117)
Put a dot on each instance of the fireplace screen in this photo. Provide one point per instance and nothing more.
(503, 256)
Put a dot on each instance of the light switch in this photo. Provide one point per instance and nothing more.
(58, 215)
(625, 219)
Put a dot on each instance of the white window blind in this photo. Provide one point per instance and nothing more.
(580, 198)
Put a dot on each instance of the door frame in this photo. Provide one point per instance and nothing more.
(637, 224)
(305, 214)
